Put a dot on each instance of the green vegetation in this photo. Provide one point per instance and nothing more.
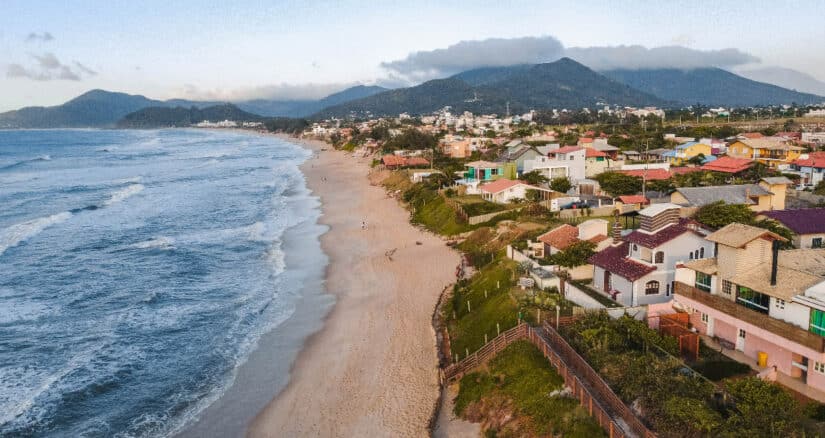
(468, 327)
(584, 286)
(163, 117)
(534, 178)
(574, 255)
(561, 184)
(521, 381)
(474, 205)
(820, 188)
(720, 214)
(618, 184)
(641, 367)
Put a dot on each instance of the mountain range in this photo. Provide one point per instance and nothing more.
(103, 109)
(561, 84)
(709, 86)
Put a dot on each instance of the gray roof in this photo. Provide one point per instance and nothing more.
(735, 194)
(777, 180)
(604, 147)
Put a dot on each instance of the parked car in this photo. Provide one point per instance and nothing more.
(574, 205)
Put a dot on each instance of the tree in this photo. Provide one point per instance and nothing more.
(820, 188)
(697, 159)
(534, 178)
(719, 214)
(561, 184)
(618, 184)
(575, 254)
(765, 409)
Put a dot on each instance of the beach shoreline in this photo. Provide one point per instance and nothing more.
(372, 369)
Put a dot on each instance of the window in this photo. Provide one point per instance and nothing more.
(703, 281)
(816, 242)
(660, 257)
(780, 304)
(752, 300)
(727, 287)
(652, 288)
(741, 333)
(690, 255)
(705, 318)
(701, 253)
(667, 290)
(819, 367)
(635, 247)
(817, 322)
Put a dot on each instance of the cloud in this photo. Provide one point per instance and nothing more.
(467, 55)
(640, 57)
(39, 37)
(309, 91)
(48, 68)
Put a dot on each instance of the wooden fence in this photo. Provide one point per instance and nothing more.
(586, 385)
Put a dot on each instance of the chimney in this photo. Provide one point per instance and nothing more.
(774, 261)
(617, 228)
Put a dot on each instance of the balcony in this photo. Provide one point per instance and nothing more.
(773, 325)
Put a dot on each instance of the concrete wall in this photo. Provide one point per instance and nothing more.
(806, 240)
(575, 295)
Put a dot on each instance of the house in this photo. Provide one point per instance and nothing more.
(563, 236)
(684, 152)
(771, 151)
(640, 269)
(457, 148)
(600, 144)
(567, 161)
(729, 165)
(767, 305)
(504, 191)
(595, 162)
(808, 225)
(392, 161)
(518, 155)
(484, 171)
(634, 202)
(810, 167)
(769, 194)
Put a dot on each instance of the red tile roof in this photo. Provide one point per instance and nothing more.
(728, 165)
(590, 152)
(500, 185)
(659, 237)
(633, 199)
(417, 161)
(566, 149)
(614, 260)
(598, 238)
(650, 174)
(815, 159)
(804, 221)
(560, 237)
(585, 140)
(751, 135)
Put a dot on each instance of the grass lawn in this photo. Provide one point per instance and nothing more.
(468, 328)
(474, 205)
(521, 374)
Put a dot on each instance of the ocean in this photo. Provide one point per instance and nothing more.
(138, 270)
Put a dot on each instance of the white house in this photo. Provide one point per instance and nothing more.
(568, 161)
(640, 269)
(503, 191)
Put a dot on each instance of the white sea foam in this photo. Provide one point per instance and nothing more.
(13, 235)
(156, 243)
(122, 194)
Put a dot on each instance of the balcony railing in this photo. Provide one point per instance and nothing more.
(773, 325)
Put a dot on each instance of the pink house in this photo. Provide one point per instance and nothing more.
(765, 304)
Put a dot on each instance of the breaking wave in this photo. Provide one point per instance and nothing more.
(15, 234)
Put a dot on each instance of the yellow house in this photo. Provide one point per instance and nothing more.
(685, 152)
(771, 151)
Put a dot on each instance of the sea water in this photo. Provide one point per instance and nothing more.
(138, 269)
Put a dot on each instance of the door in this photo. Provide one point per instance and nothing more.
(740, 340)
(607, 286)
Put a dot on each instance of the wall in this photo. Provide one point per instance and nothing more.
(791, 312)
(805, 240)
(575, 295)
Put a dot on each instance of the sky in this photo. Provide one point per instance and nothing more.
(53, 51)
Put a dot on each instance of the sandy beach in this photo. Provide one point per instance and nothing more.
(372, 369)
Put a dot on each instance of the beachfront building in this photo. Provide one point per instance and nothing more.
(485, 171)
(518, 155)
(640, 268)
(766, 305)
(504, 191)
(768, 194)
(807, 225)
